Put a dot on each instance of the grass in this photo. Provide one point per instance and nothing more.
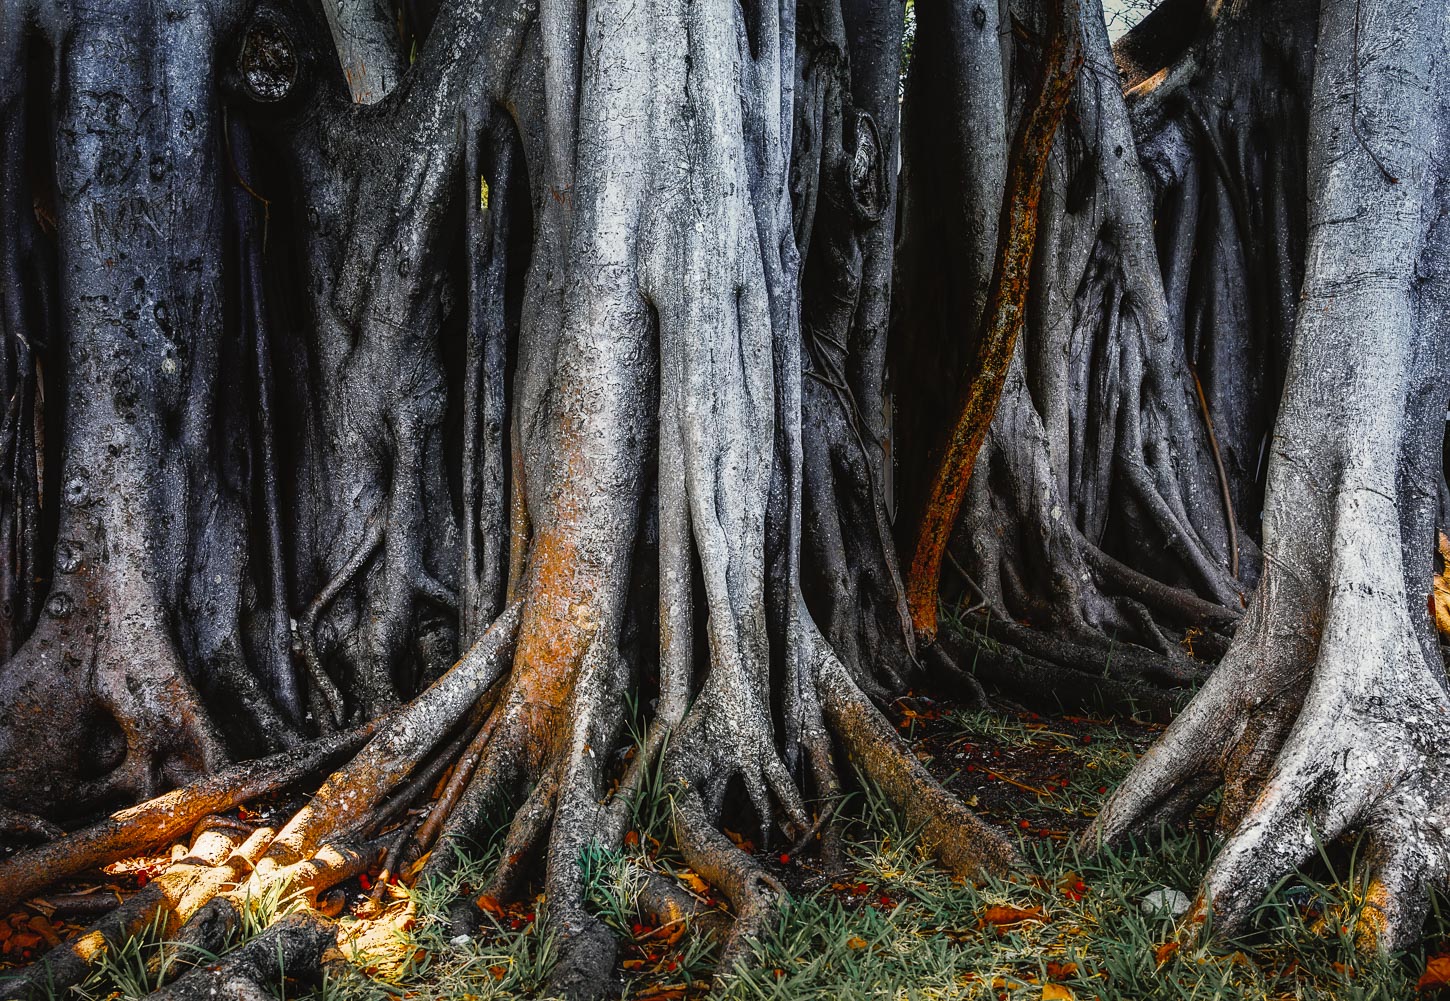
(893, 925)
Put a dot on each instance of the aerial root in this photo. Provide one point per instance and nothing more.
(307, 624)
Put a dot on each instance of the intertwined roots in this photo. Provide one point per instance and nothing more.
(489, 728)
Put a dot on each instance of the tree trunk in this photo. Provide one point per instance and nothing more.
(422, 395)
(1324, 716)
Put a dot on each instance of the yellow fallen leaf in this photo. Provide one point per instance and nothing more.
(1057, 992)
(693, 881)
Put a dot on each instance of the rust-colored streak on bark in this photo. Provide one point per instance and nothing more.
(561, 608)
(1003, 316)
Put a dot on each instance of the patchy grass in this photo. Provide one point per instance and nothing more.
(892, 925)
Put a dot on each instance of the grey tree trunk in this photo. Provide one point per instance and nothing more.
(414, 393)
(1324, 716)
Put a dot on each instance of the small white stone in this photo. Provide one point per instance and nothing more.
(1166, 903)
(458, 940)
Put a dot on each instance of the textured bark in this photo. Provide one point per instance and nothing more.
(409, 397)
(1323, 717)
(1094, 514)
(641, 412)
(1005, 310)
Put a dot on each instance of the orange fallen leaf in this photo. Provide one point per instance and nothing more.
(693, 881)
(489, 905)
(1165, 952)
(855, 942)
(1004, 915)
(1437, 970)
(1057, 992)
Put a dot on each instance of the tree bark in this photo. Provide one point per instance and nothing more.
(1322, 718)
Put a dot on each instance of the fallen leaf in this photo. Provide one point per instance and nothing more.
(1437, 969)
(1057, 992)
(855, 942)
(1165, 952)
(693, 881)
(1003, 915)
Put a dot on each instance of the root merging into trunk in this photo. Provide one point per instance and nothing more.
(627, 390)
(1327, 714)
(419, 421)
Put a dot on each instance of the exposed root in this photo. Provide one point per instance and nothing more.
(292, 949)
(157, 821)
(1047, 687)
(752, 892)
(965, 844)
(217, 859)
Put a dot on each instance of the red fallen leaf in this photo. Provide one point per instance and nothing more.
(860, 889)
(631, 839)
(142, 879)
(1005, 915)
(885, 901)
(1024, 823)
(1087, 738)
(1102, 790)
(364, 882)
(784, 858)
